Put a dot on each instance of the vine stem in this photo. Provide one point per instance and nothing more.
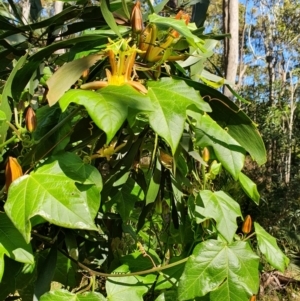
(152, 270)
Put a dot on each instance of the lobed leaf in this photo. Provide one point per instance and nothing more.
(170, 99)
(108, 107)
(64, 191)
(222, 208)
(228, 271)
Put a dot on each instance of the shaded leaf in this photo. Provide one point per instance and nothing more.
(7, 96)
(126, 198)
(227, 150)
(59, 83)
(268, 246)
(12, 244)
(108, 107)
(229, 272)
(63, 191)
(45, 274)
(222, 208)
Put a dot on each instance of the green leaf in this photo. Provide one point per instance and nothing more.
(237, 123)
(227, 150)
(268, 246)
(109, 18)
(108, 107)
(7, 96)
(2, 115)
(229, 272)
(222, 208)
(59, 83)
(64, 191)
(169, 278)
(167, 296)
(64, 295)
(128, 288)
(126, 198)
(178, 25)
(12, 244)
(249, 187)
(170, 99)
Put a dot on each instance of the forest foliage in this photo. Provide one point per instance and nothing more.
(115, 154)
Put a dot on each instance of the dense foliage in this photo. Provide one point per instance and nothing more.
(115, 154)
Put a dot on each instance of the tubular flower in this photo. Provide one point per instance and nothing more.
(155, 51)
(121, 58)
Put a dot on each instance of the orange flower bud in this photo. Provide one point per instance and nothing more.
(136, 18)
(13, 170)
(30, 120)
(247, 225)
(205, 154)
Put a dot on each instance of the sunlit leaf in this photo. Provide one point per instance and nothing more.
(229, 272)
(227, 150)
(222, 208)
(63, 191)
(249, 187)
(237, 123)
(64, 295)
(108, 107)
(178, 25)
(170, 99)
(268, 246)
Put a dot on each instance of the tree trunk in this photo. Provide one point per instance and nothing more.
(231, 46)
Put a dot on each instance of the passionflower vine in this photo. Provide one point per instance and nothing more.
(121, 58)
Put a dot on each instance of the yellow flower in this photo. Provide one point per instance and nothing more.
(121, 58)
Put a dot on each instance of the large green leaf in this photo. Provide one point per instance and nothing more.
(170, 99)
(231, 117)
(126, 198)
(227, 150)
(108, 107)
(12, 244)
(229, 272)
(7, 96)
(64, 295)
(67, 75)
(249, 187)
(222, 208)
(63, 191)
(268, 246)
